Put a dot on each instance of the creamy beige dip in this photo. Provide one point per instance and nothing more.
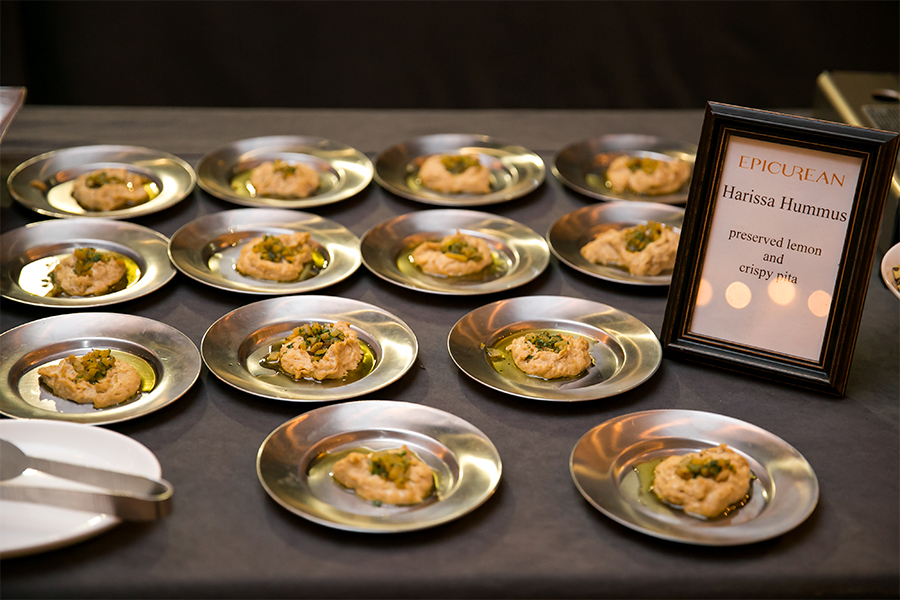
(551, 355)
(455, 255)
(275, 257)
(705, 483)
(328, 351)
(88, 272)
(109, 189)
(455, 174)
(96, 377)
(284, 180)
(647, 175)
(641, 250)
(395, 476)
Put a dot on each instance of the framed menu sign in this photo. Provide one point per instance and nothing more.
(777, 245)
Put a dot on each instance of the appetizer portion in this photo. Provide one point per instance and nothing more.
(645, 175)
(284, 180)
(641, 250)
(88, 272)
(328, 351)
(395, 476)
(551, 355)
(456, 255)
(97, 377)
(706, 484)
(455, 174)
(109, 189)
(895, 273)
(280, 257)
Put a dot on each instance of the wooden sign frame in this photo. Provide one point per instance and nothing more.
(875, 153)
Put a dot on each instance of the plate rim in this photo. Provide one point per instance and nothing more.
(890, 259)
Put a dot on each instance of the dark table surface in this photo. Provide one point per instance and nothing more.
(536, 536)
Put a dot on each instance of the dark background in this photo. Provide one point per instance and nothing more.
(440, 54)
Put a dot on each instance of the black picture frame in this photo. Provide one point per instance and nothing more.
(877, 152)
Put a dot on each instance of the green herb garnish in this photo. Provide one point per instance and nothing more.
(99, 179)
(392, 466)
(312, 338)
(273, 249)
(93, 366)
(640, 236)
(544, 340)
(458, 163)
(457, 248)
(692, 466)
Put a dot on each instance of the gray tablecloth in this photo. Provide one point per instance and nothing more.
(536, 537)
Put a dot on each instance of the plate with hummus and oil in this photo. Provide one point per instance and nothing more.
(84, 262)
(112, 182)
(459, 170)
(628, 167)
(694, 477)
(284, 171)
(554, 348)
(454, 252)
(309, 348)
(378, 466)
(635, 243)
(94, 368)
(265, 251)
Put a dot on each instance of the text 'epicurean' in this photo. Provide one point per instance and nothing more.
(751, 197)
(773, 167)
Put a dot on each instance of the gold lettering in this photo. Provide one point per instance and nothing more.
(840, 181)
(741, 162)
(755, 161)
(824, 176)
(770, 167)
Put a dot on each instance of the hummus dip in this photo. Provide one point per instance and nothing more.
(551, 355)
(455, 255)
(328, 351)
(97, 377)
(280, 257)
(645, 175)
(646, 249)
(109, 189)
(455, 174)
(395, 476)
(87, 272)
(706, 484)
(284, 180)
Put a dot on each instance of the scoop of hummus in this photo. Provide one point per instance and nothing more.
(328, 351)
(109, 189)
(644, 175)
(395, 476)
(275, 257)
(284, 180)
(97, 377)
(455, 255)
(455, 174)
(88, 272)
(646, 249)
(706, 483)
(551, 355)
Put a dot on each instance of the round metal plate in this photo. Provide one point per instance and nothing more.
(515, 171)
(207, 248)
(625, 351)
(520, 254)
(582, 166)
(891, 259)
(28, 254)
(56, 171)
(783, 495)
(572, 231)
(235, 344)
(292, 466)
(343, 171)
(172, 356)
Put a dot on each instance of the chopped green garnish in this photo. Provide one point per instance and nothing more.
(544, 340)
(312, 338)
(692, 466)
(272, 249)
(100, 179)
(640, 236)
(646, 164)
(457, 248)
(85, 259)
(458, 163)
(284, 168)
(93, 366)
(392, 466)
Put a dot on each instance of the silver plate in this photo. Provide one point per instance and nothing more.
(343, 171)
(207, 248)
(515, 171)
(28, 254)
(235, 344)
(602, 464)
(520, 254)
(578, 165)
(293, 464)
(574, 230)
(625, 351)
(57, 170)
(172, 356)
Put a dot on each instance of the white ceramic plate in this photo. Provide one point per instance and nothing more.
(891, 259)
(27, 528)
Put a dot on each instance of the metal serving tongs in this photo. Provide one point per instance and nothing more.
(130, 497)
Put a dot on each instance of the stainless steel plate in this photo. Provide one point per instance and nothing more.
(343, 171)
(574, 230)
(207, 248)
(56, 171)
(582, 166)
(172, 357)
(520, 254)
(515, 171)
(625, 351)
(235, 344)
(294, 462)
(602, 464)
(28, 254)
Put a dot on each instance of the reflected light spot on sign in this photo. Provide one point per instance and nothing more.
(704, 293)
(819, 303)
(738, 295)
(782, 292)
